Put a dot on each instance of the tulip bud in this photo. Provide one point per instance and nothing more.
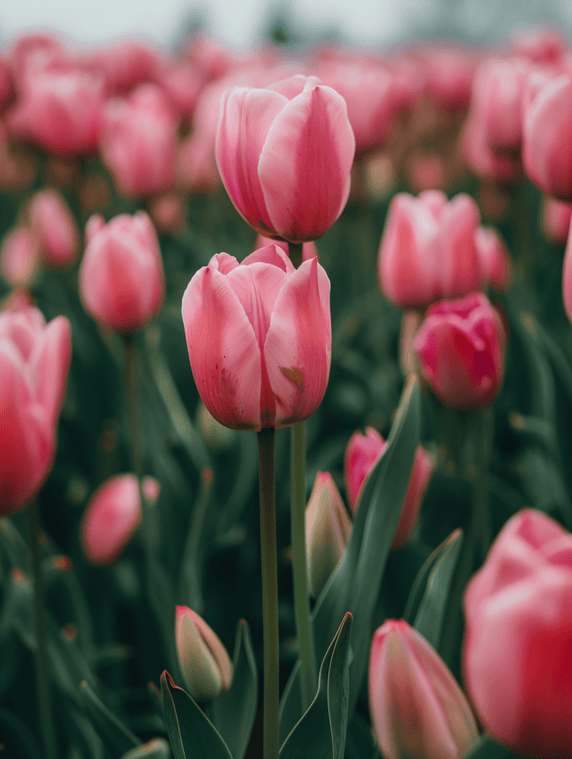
(496, 263)
(417, 709)
(517, 652)
(284, 155)
(309, 249)
(362, 454)
(328, 529)
(112, 517)
(19, 257)
(460, 346)
(121, 280)
(204, 661)
(556, 216)
(55, 228)
(259, 338)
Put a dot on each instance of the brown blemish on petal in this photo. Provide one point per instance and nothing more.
(294, 375)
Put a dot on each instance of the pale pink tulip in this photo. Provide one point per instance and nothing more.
(121, 280)
(284, 154)
(496, 263)
(309, 249)
(259, 338)
(556, 216)
(417, 709)
(19, 258)
(34, 363)
(204, 660)
(55, 228)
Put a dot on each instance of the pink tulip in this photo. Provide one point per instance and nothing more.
(328, 529)
(125, 65)
(19, 258)
(204, 660)
(427, 250)
(517, 652)
(539, 43)
(182, 84)
(259, 338)
(547, 135)
(112, 517)
(504, 167)
(55, 228)
(556, 216)
(196, 170)
(362, 454)
(460, 346)
(417, 709)
(138, 143)
(284, 155)
(309, 249)
(34, 363)
(168, 212)
(567, 278)
(448, 77)
(496, 263)
(60, 111)
(121, 280)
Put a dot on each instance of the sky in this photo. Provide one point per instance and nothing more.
(238, 22)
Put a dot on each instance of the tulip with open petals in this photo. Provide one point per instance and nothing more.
(417, 709)
(517, 652)
(34, 363)
(284, 154)
(259, 338)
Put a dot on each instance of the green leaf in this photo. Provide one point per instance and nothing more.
(355, 585)
(486, 748)
(192, 734)
(158, 748)
(234, 712)
(360, 743)
(321, 733)
(113, 732)
(430, 616)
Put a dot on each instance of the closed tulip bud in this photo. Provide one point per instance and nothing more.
(309, 249)
(204, 661)
(284, 155)
(496, 263)
(113, 515)
(34, 364)
(417, 709)
(428, 249)
(517, 652)
(556, 216)
(259, 338)
(328, 529)
(547, 133)
(121, 280)
(19, 257)
(460, 346)
(55, 228)
(362, 454)
(139, 142)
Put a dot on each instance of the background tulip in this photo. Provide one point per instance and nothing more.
(54, 227)
(460, 346)
(121, 278)
(204, 661)
(328, 529)
(556, 216)
(417, 709)
(259, 338)
(362, 454)
(19, 258)
(34, 363)
(284, 155)
(517, 651)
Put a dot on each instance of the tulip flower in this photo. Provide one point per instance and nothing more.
(55, 228)
(19, 258)
(417, 709)
(428, 249)
(138, 144)
(496, 263)
(362, 454)
(34, 363)
(517, 652)
(113, 515)
(204, 661)
(556, 216)
(284, 155)
(460, 347)
(259, 338)
(328, 529)
(121, 280)
(309, 249)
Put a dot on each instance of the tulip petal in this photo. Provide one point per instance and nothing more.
(223, 350)
(246, 117)
(50, 364)
(305, 163)
(297, 349)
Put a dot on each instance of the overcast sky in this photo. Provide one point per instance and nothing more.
(237, 22)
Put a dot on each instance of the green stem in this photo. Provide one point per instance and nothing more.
(269, 560)
(43, 685)
(295, 253)
(301, 601)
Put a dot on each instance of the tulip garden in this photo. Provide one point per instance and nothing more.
(285, 400)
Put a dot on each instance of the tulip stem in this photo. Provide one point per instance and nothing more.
(269, 561)
(295, 253)
(301, 601)
(42, 681)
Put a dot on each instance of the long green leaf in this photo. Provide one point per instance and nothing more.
(113, 732)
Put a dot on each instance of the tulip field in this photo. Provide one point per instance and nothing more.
(286, 400)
